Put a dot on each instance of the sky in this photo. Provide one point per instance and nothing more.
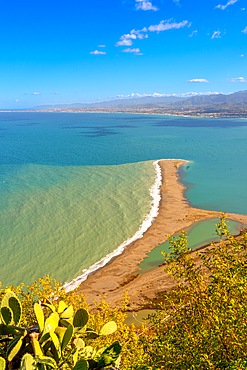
(83, 51)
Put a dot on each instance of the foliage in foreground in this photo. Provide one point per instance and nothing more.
(50, 293)
(202, 324)
(56, 342)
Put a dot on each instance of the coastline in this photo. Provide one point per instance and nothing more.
(172, 113)
(208, 161)
(155, 193)
(147, 222)
(119, 274)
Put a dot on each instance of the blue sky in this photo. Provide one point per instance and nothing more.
(92, 50)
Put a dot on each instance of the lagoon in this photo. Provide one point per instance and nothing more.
(200, 234)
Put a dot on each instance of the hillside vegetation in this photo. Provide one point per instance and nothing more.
(202, 324)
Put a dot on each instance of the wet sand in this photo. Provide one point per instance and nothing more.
(120, 274)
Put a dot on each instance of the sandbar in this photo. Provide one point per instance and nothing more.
(120, 274)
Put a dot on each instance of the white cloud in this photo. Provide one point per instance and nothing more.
(241, 55)
(101, 46)
(245, 30)
(127, 39)
(168, 25)
(145, 5)
(223, 7)
(216, 35)
(143, 95)
(97, 52)
(194, 93)
(159, 95)
(133, 50)
(140, 34)
(194, 33)
(197, 80)
(124, 41)
(36, 93)
(238, 79)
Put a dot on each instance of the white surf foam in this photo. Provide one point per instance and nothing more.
(149, 219)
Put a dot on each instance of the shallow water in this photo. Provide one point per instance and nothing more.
(72, 190)
(199, 234)
(63, 219)
(137, 318)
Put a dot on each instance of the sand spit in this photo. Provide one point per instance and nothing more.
(119, 275)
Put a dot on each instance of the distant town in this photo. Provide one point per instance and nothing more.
(214, 106)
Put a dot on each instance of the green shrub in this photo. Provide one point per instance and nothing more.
(58, 339)
(202, 324)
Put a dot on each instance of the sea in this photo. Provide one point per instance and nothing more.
(76, 188)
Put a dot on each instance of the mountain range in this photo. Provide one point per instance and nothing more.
(233, 104)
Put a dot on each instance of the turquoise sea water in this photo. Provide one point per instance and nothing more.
(73, 187)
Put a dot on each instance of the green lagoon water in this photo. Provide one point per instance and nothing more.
(199, 234)
(74, 187)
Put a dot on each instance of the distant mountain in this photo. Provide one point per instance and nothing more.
(227, 105)
(149, 101)
(142, 101)
(238, 98)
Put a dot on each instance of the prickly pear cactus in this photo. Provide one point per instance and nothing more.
(2, 363)
(57, 340)
(10, 309)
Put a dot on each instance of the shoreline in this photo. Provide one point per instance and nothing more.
(119, 274)
(194, 114)
(169, 114)
(146, 223)
(155, 192)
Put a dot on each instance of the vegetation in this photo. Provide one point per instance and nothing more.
(202, 324)
(48, 293)
(57, 341)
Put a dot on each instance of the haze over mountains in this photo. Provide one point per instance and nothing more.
(121, 102)
(237, 100)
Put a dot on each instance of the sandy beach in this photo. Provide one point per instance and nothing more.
(120, 274)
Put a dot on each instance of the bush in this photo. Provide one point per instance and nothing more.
(58, 338)
(202, 324)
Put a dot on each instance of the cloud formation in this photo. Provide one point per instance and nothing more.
(245, 30)
(145, 5)
(168, 25)
(193, 33)
(216, 35)
(164, 25)
(159, 95)
(127, 39)
(197, 80)
(97, 52)
(223, 7)
(133, 50)
(238, 79)
(36, 93)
